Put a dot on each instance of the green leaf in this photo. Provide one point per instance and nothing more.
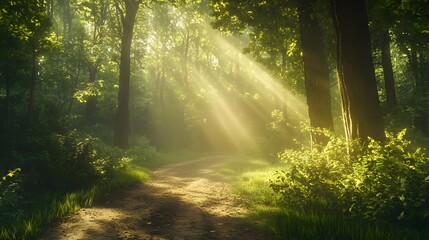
(401, 216)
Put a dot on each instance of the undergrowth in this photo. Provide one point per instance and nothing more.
(372, 190)
(50, 206)
(54, 172)
(320, 224)
(342, 190)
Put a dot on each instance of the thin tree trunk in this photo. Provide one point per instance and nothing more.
(91, 102)
(184, 62)
(8, 104)
(73, 91)
(424, 93)
(34, 73)
(361, 106)
(389, 80)
(122, 121)
(161, 91)
(316, 71)
(50, 8)
(416, 60)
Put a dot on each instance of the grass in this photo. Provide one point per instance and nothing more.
(319, 224)
(252, 183)
(48, 207)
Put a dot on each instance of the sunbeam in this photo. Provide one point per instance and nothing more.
(236, 130)
(220, 100)
(294, 103)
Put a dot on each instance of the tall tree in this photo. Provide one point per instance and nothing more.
(316, 71)
(28, 22)
(412, 34)
(127, 11)
(361, 106)
(381, 16)
(389, 80)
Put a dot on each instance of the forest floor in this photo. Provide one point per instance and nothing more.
(187, 200)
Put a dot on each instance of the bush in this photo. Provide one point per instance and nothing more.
(141, 151)
(391, 181)
(381, 181)
(9, 194)
(60, 162)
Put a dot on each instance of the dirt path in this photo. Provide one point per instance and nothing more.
(189, 200)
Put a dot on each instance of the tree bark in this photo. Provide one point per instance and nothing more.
(416, 60)
(360, 104)
(122, 121)
(73, 90)
(91, 102)
(8, 103)
(184, 62)
(316, 71)
(33, 81)
(389, 80)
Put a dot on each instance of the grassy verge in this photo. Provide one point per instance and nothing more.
(48, 207)
(319, 224)
(252, 183)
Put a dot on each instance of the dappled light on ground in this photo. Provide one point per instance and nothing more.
(189, 200)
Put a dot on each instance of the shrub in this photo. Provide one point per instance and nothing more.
(391, 181)
(388, 181)
(60, 162)
(141, 151)
(9, 194)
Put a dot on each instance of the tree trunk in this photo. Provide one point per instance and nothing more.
(73, 91)
(34, 73)
(91, 102)
(8, 103)
(361, 106)
(67, 15)
(122, 121)
(316, 71)
(389, 80)
(184, 62)
(423, 114)
(416, 61)
(50, 9)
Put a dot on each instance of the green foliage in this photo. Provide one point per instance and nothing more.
(91, 90)
(379, 181)
(61, 162)
(391, 181)
(141, 151)
(271, 27)
(9, 194)
(280, 133)
(60, 172)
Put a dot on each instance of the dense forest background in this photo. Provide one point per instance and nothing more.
(86, 87)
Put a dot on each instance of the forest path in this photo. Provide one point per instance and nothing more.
(187, 200)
